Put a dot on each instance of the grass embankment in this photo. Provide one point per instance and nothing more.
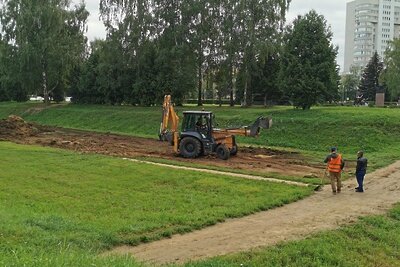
(312, 132)
(373, 241)
(51, 199)
(59, 208)
(8, 108)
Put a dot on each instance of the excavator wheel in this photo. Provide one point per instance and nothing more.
(190, 147)
(234, 150)
(223, 152)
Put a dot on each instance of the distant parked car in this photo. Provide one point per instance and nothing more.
(68, 99)
(36, 98)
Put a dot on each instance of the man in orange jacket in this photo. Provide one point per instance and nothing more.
(335, 167)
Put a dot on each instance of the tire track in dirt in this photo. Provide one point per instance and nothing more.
(322, 211)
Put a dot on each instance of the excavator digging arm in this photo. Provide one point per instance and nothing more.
(169, 123)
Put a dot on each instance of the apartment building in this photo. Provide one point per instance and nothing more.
(370, 26)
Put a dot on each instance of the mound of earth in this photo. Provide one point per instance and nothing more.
(16, 127)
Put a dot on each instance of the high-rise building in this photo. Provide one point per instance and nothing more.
(370, 26)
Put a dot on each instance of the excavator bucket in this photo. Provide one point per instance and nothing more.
(167, 136)
(261, 122)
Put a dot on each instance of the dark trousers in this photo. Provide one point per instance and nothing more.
(360, 180)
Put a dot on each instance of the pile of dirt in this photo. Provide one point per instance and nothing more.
(16, 127)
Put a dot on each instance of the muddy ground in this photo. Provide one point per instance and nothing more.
(16, 130)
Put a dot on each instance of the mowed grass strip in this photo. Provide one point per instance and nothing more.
(59, 208)
(373, 241)
(311, 181)
(312, 132)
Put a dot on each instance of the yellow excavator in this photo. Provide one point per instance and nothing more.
(198, 135)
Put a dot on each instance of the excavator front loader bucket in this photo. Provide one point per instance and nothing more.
(261, 122)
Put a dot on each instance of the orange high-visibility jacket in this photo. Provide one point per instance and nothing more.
(334, 165)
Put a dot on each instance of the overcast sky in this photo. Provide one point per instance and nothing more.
(334, 12)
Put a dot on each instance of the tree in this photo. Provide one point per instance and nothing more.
(259, 25)
(228, 41)
(309, 73)
(164, 25)
(177, 71)
(349, 84)
(369, 83)
(201, 19)
(222, 81)
(391, 74)
(10, 84)
(84, 87)
(48, 40)
(115, 73)
(266, 78)
(145, 89)
(4, 71)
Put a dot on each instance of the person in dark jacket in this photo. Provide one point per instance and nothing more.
(361, 170)
(335, 167)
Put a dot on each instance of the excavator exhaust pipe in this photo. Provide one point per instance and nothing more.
(261, 122)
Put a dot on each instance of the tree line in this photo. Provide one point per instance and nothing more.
(378, 76)
(213, 49)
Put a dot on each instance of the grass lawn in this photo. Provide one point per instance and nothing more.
(311, 181)
(313, 132)
(373, 241)
(59, 208)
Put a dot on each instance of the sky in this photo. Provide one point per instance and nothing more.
(334, 12)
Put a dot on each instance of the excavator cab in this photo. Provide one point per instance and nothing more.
(197, 121)
(197, 131)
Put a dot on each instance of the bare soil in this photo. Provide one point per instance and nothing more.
(261, 160)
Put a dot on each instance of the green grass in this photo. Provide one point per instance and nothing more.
(59, 208)
(8, 108)
(312, 132)
(373, 241)
(312, 181)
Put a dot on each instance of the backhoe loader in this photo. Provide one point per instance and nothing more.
(198, 135)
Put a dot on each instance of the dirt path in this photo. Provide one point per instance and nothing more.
(321, 211)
